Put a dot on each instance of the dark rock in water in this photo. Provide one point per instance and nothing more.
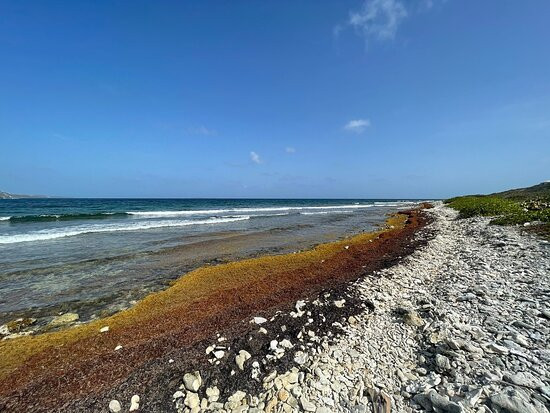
(64, 319)
(16, 326)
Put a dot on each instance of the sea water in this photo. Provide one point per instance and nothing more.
(70, 254)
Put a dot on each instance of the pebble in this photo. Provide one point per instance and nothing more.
(241, 358)
(64, 319)
(192, 400)
(134, 403)
(192, 381)
(474, 305)
(307, 405)
(114, 406)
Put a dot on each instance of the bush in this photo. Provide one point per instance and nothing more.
(506, 211)
(523, 217)
(471, 206)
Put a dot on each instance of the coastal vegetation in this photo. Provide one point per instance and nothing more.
(525, 206)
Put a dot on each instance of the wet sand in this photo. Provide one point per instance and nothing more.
(79, 370)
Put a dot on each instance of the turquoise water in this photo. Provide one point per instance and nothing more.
(59, 253)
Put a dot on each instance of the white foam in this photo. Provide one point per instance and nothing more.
(326, 212)
(44, 235)
(394, 203)
(160, 214)
(4, 218)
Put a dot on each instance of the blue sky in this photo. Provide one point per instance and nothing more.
(377, 98)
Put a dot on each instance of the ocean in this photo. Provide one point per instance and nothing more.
(97, 256)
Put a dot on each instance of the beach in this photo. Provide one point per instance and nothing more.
(95, 257)
(429, 313)
(274, 207)
(196, 307)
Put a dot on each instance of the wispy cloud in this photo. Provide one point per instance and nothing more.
(290, 149)
(202, 130)
(357, 125)
(380, 19)
(255, 157)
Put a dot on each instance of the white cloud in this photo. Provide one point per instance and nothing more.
(378, 18)
(290, 149)
(357, 125)
(255, 157)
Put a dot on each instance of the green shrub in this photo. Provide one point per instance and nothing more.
(506, 211)
(523, 217)
(471, 206)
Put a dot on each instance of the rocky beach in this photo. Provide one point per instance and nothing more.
(454, 318)
(461, 325)
(275, 207)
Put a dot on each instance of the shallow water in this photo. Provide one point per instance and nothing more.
(91, 255)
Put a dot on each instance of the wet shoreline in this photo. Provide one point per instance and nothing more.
(180, 321)
(150, 271)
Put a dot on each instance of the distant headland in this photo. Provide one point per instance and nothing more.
(7, 195)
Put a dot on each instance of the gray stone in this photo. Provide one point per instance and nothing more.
(442, 362)
(496, 348)
(443, 403)
(523, 379)
(307, 405)
(64, 319)
(412, 318)
(510, 402)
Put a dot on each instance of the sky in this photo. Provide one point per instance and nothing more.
(285, 98)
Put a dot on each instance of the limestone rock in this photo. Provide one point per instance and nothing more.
(192, 381)
(64, 319)
(114, 406)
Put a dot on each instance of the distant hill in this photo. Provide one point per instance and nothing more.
(540, 191)
(6, 195)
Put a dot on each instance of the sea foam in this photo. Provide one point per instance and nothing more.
(43, 235)
(160, 214)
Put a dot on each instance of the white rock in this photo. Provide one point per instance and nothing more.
(178, 394)
(134, 403)
(286, 343)
(307, 405)
(237, 396)
(496, 348)
(213, 394)
(192, 400)
(340, 303)
(192, 381)
(300, 357)
(114, 406)
(241, 358)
